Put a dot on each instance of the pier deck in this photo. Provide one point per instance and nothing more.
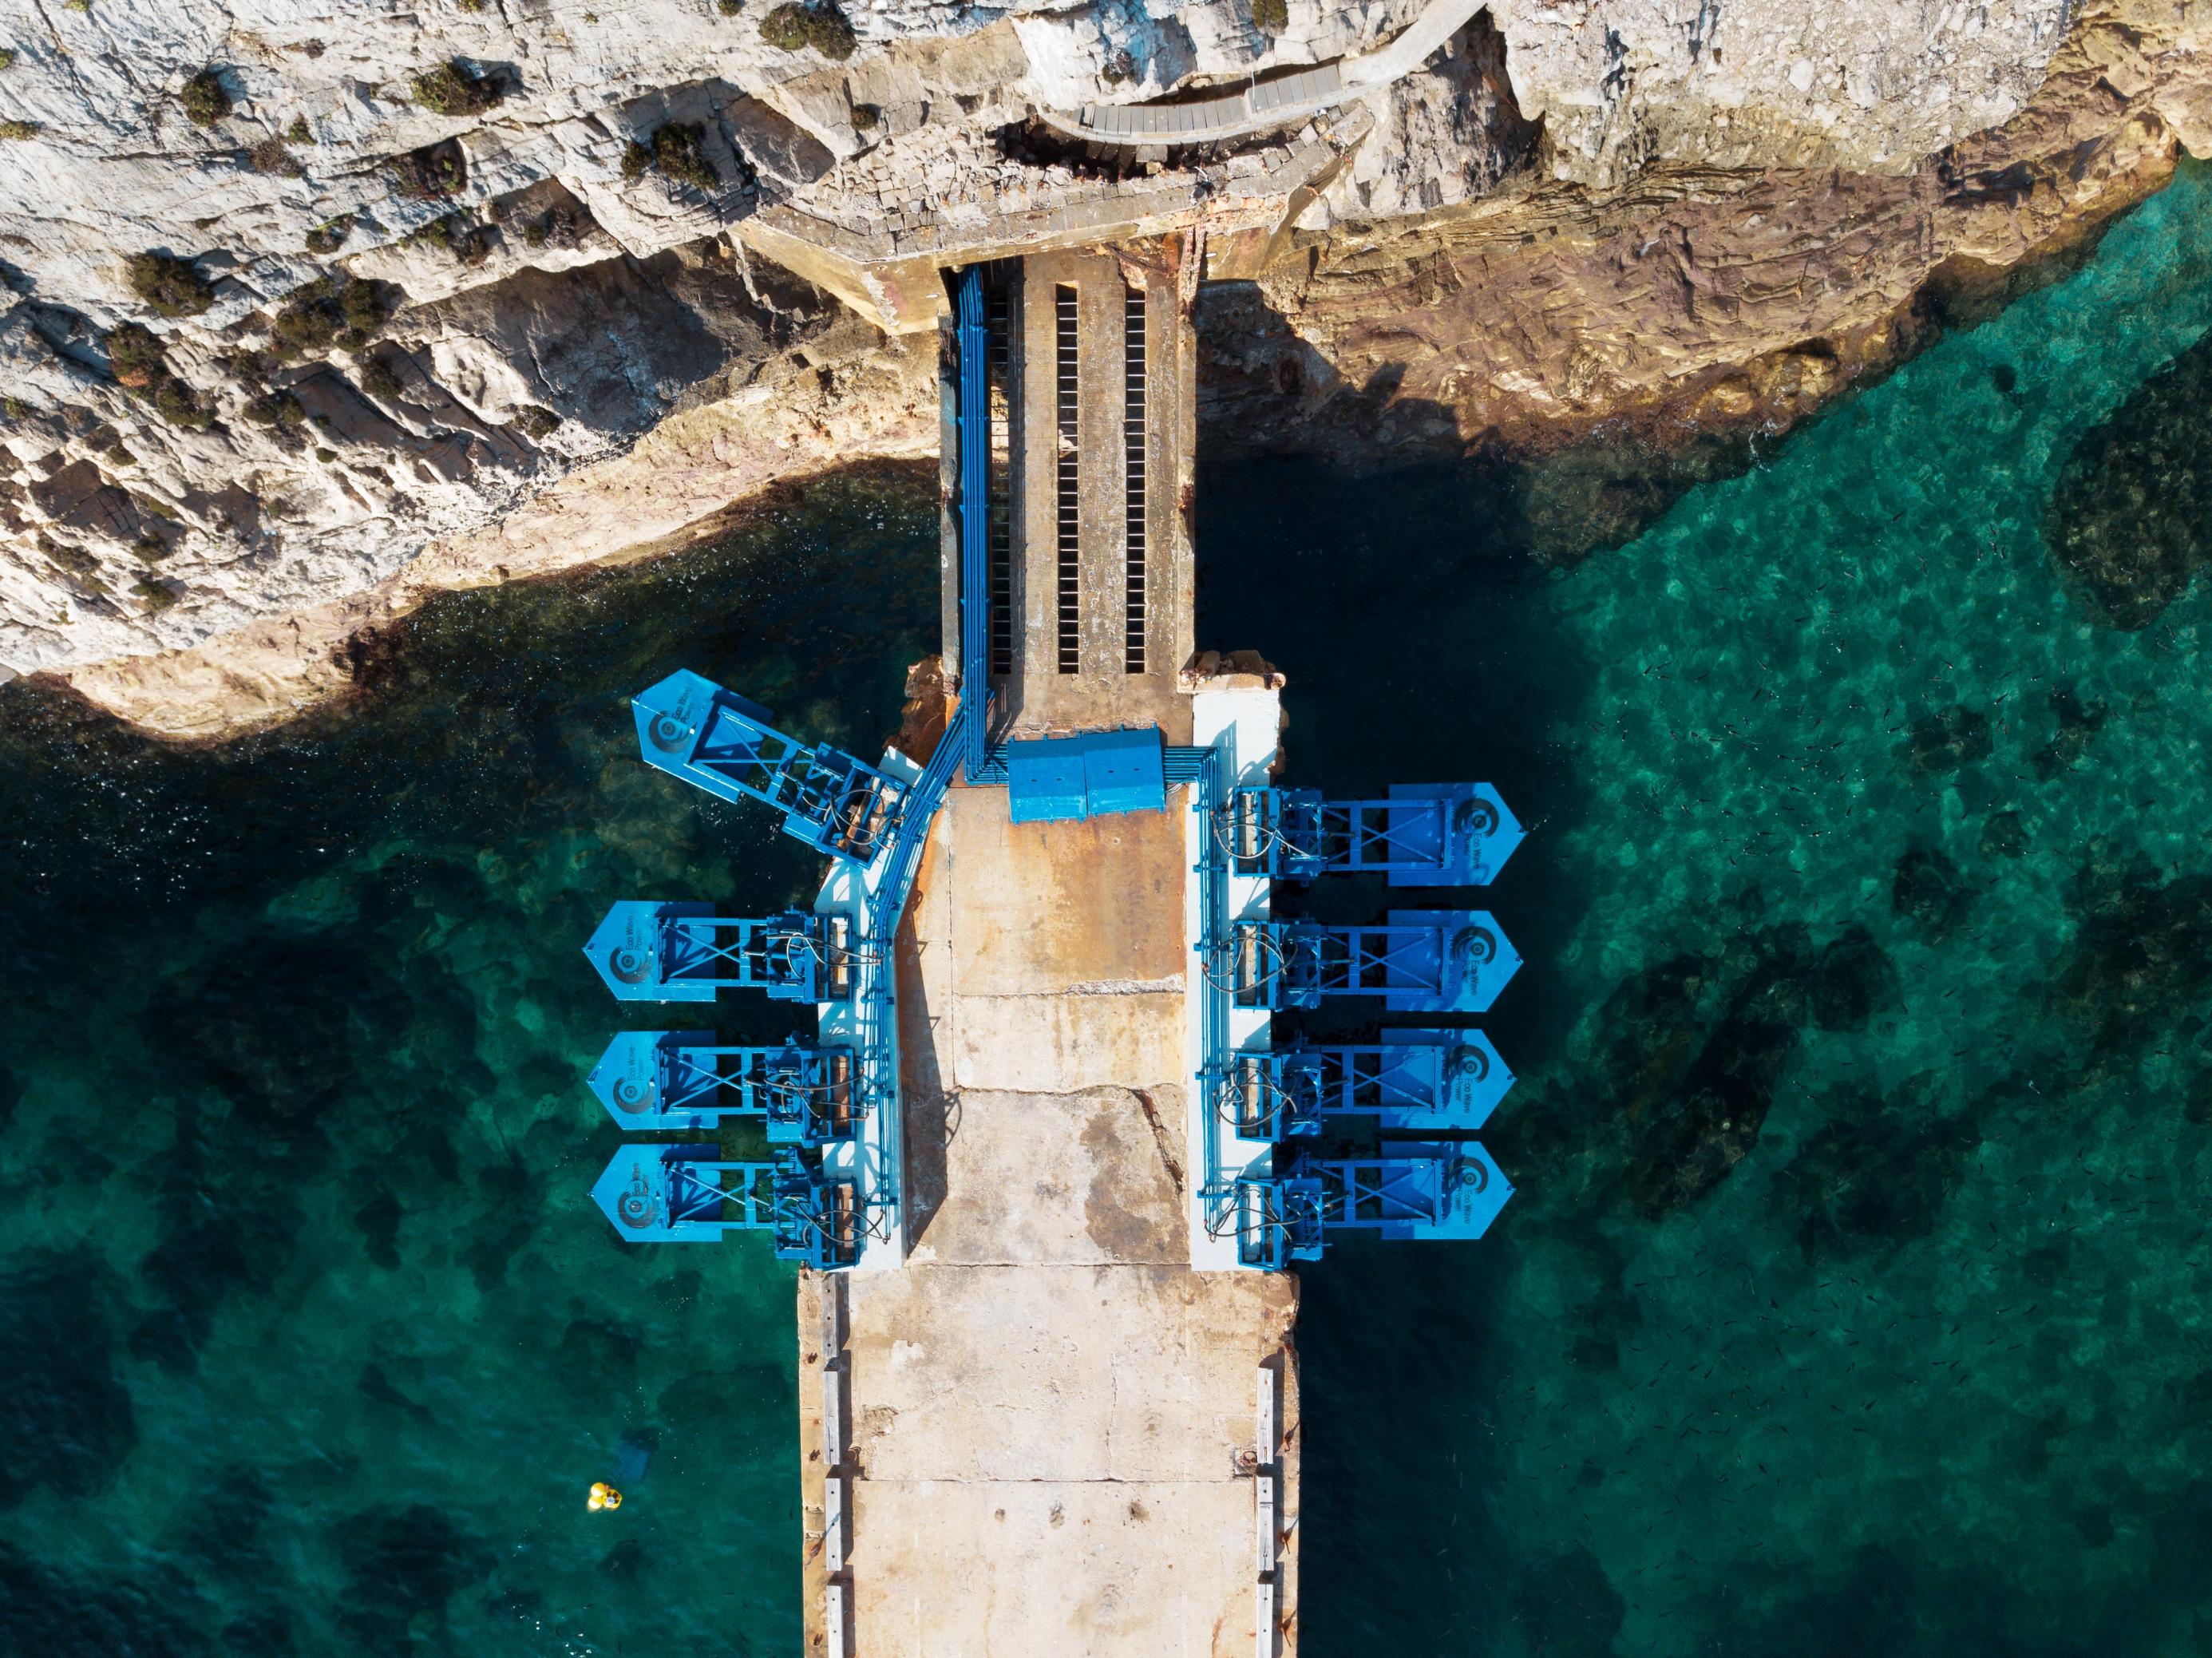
(1046, 1426)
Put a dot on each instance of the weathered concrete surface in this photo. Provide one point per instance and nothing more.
(1053, 1417)
(1040, 694)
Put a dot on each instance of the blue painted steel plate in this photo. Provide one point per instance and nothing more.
(1044, 780)
(1124, 771)
(1466, 829)
(1470, 1190)
(1458, 1073)
(1477, 961)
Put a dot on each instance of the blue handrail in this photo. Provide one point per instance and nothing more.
(974, 506)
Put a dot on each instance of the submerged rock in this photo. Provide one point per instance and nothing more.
(2131, 521)
(1852, 981)
(66, 1422)
(402, 1566)
(1929, 889)
(2078, 721)
(1881, 1168)
(1949, 739)
(2004, 835)
(2141, 956)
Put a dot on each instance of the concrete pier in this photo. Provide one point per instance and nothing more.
(1048, 1433)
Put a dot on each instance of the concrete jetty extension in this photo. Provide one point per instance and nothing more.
(1047, 1434)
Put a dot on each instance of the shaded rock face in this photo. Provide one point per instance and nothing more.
(2131, 521)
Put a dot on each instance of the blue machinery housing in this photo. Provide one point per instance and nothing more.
(821, 1195)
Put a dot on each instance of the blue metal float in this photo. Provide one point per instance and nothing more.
(806, 1096)
(1414, 1191)
(683, 952)
(1434, 835)
(688, 1194)
(691, 728)
(1421, 961)
(1424, 1082)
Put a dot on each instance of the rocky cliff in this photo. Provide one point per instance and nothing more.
(315, 310)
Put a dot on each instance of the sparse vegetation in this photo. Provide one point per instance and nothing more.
(432, 172)
(729, 8)
(325, 238)
(297, 133)
(119, 452)
(471, 5)
(1271, 16)
(794, 27)
(135, 356)
(866, 118)
(170, 286)
(14, 407)
(635, 159)
(7, 56)
(158, 598)
(326, 456)
(459, 234)
(339, 311)
(150, 547)
(18, 128)
(378, 379)
(678, 152)
(271, 156)
(536, 422)
(280, 410)
(75, 563)
(175, 401)
(454, 88)
(205, 98)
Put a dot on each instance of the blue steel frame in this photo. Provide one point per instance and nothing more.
(1424, 1082)
(683, 953)
(691, 728)
(806, 1096)
(1427, 1192)
(1423, 835)
(1419, 962)
(684, 1194)
(973, 422)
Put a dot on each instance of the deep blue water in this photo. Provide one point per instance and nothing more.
(1851, 1301)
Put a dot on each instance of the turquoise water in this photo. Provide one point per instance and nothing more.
(313, 1341)
(1853, 1301)
(1850, 1301)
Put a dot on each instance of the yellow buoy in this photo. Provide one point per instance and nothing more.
(602, 1496)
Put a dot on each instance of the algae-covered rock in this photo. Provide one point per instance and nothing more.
(2131, 521)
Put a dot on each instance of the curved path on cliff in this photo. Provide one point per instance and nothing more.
(1263, 106)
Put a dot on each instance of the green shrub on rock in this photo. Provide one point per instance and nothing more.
(205, 97)
(135, 357)
(1271, 16)
(18, 128)
(454, 88)
(170, 286)
(270, 156)
(378, 379)
(330, 311)
(794, 27)
(432, 172)
(328, 237)
(678, 152)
